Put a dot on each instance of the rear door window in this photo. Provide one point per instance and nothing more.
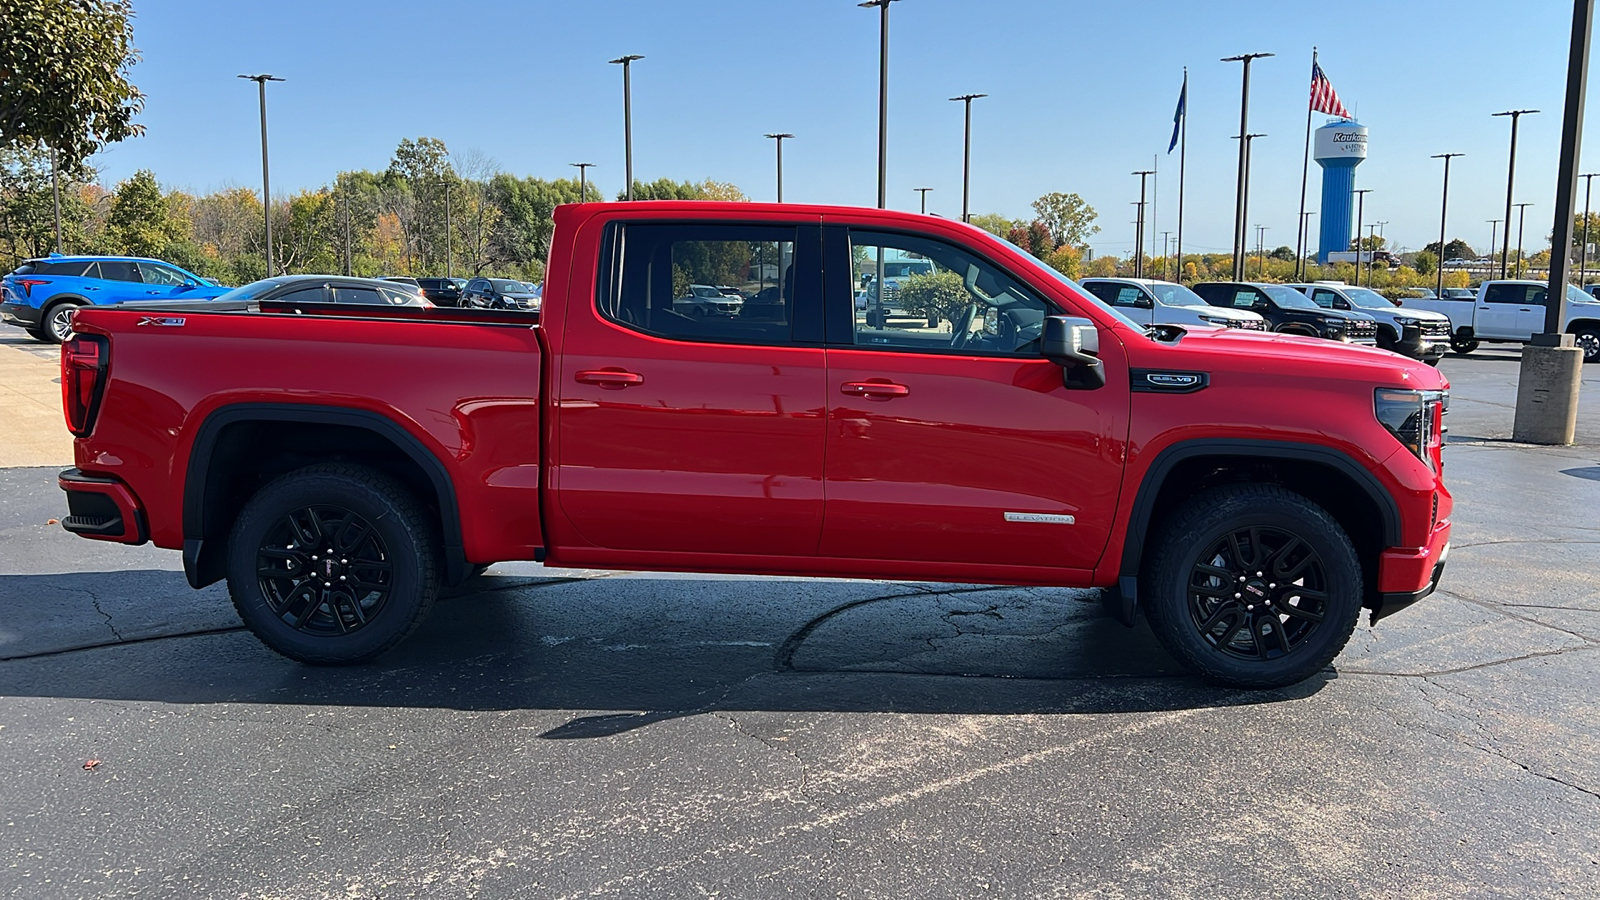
(1520, 294)
(311, 294)
(342, 294)
(163, 275)
(117, 270)
(1245, 298)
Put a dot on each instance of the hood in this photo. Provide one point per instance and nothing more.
(1232, 349)
(1346, 314)
(1223, 312)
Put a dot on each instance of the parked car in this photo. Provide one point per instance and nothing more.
(705, 300)
(42, 295)
(1408, 330)
(498, 293)
(1249, 496)
(328, 289)
(1459, 294)
(1290, 312)
(1593, 290)
(442, 291)
(1512, 312)
(1152, 302)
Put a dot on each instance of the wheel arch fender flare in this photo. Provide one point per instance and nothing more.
(1122, 600)
(203, 560)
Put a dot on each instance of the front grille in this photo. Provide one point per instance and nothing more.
(1359, 329)
(1248, 324)
(1431, 328)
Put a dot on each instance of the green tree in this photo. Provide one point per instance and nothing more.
(1069, 219)
(997, 225)
(27, 218)
(63, 75)
(1426, 262)
(937, 295)
(141, 222)
(1459, 249)
(1284, 252)
(1066, 259)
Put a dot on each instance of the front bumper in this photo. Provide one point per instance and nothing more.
(19, 314)
(101, 508)
(1406, 575)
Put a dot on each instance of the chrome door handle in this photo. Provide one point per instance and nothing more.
(874, 390)
(615, 379)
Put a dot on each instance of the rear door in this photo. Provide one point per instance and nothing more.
(957, 442)
(683, 435)
(1508, 311)
(161, 282)
(119, 282)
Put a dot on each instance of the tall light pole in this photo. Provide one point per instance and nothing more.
(1372, 232)
(1583, 252)
(1361, 201)
(627, 113)
(449, 235)
(1244, 194)
(966, 155)
(924, 193)
(1444, 205)
(583, 180)
(55, 194)
(1522, 214)
(1138, 244)
(1166, 250)
(266, 181)
(1494, 241)
(1305, 237)
(883, 101)
(1511, 178)
(1244, 150)
(1261, 251)
(779, 138)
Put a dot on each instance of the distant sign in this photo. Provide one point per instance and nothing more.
(1345, 140)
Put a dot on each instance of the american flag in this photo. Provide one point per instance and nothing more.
(1323, 97)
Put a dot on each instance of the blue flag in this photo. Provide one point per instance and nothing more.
(1183, 110)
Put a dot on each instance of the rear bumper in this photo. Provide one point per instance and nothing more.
(102, 509)
(19, 314)
(1406, 575)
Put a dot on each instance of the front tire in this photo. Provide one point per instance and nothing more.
(1588, 340)
(1252, 586)
(333, 564)
(1463, 346)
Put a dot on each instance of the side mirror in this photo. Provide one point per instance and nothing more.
(1074, 344)
(1145, 302)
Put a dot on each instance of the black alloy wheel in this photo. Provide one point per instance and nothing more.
(1251, 585)
(1588, 340)
(1257, 593)
(324, 570)
(1463, 347)
(334, 564)
(56, 324)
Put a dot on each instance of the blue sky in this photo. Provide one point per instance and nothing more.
(1081, 94)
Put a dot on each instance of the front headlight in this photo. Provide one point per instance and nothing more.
(1216, 320)
(1416, 419)
(1406, 322)
(1333, 324)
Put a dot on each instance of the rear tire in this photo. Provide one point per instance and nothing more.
(1252, 586)
(1463, 347)
(55, 322)
(333, 564)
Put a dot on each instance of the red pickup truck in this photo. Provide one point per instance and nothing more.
(1250, 493)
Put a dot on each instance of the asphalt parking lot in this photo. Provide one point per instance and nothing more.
(579, 734)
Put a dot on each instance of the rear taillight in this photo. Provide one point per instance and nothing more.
(28, 283)
(83, 374)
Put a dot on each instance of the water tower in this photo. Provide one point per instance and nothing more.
(1338, 148)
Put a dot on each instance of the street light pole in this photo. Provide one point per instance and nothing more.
(1166, 249)
(779, 138)
(1494, 240)
(627, 113)
(1244, 150)
(1261, 251)
(966, 155)
(1138, 244)
(924, 193)
(55, 194)
(583, 180)
(1305, 239)
(1511, 177)
(1583, 252)
(1444, 205)
(449, 236)
(1361, 201)
(883, 102)
(1522, 214)
(266, 181)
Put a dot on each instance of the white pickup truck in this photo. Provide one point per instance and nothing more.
(1513, 312)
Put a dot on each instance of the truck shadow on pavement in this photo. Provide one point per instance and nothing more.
(626, 651)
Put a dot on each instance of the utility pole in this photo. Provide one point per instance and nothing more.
(449, 236)
(779, 138)
(883, 105)
(1522, 213)
(583, 180)
(1138, 244)
(1583, 253)
(55, 194)
(1511, 178)
(1166, 251)
(1244, 150)
(924, 193)
(1444, 205)
(627, 113)
(1494, 241)
(966, 155)
(349, 264)
(1261, 251)
(1361, 200)
(1304, 268)
(266, 181)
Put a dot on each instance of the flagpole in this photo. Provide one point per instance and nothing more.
(1183, 151)
(1301, 238)
(1155, 197)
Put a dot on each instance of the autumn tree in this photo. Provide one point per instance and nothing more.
(141, 222)
(997, 225)
(1069, 219)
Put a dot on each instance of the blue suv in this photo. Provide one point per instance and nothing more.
(41, 294)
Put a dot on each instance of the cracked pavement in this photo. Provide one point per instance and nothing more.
(583, 734)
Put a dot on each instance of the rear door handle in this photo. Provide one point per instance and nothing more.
(610, 378)
(875, 390)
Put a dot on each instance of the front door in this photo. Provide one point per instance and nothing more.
(689, 434)
(1507, 309)
(956, 442)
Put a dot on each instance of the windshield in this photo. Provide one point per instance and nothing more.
(1176, 294)
(1577, 295)
(1366, 299)
(507, 286)
(1288, 297)
(253, 289)
(1079, 290)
